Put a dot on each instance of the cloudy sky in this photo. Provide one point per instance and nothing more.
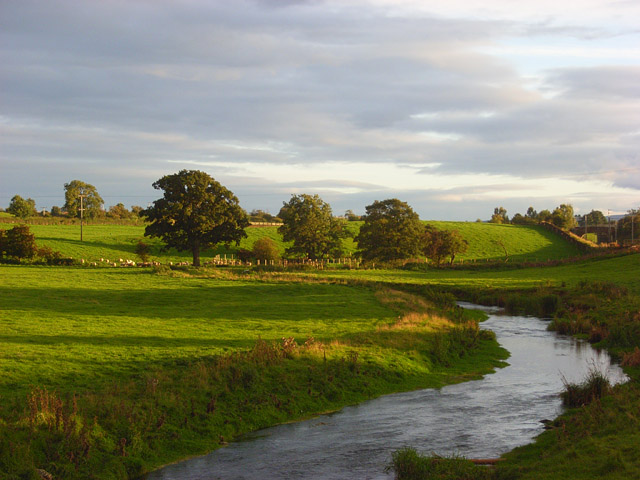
(455, 107)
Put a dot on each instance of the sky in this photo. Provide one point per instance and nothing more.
(455, 107)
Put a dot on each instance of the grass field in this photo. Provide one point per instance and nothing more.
(486, 242)
(520, 242)
(143, 368)
(146, 367)
(70, 328)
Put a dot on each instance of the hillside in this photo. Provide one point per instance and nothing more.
(486, 242)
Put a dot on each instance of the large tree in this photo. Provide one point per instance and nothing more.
(22, 208)
(195, 212)
(391, 231)
(91, 200)
(308, 222)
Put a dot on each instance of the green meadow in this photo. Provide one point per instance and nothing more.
(487, 242)
(70, 328)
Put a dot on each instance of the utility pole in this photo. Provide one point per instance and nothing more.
(609, 223)
(586, 220)
(82, 195)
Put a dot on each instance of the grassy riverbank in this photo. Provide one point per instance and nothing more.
(598, 301)
(110, 373)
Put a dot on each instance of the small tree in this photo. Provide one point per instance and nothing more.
(391, 231)
(118, 211)
(266, 250)
(499, 215)
(91, 201)
(18, 242)
(350, 216)
(22, 208)
(563, 217)
(56, 211)
(143, 250)
(595, 217)
(195, 212)
(440, 244)
(308, 222)
(544, 216)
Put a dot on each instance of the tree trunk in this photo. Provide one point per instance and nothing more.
(195, 249)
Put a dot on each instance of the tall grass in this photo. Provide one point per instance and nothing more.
(595, 386)
(407, 464)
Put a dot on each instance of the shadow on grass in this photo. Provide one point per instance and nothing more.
(200, 299)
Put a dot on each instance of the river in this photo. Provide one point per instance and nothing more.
(477, 419)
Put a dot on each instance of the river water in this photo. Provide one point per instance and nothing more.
(477, 419)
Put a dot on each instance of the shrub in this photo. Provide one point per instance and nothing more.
(143, 250)
(50, 256)
(18, 243)
(266, 250)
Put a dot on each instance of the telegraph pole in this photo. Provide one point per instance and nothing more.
(81, 213)
(586, 220)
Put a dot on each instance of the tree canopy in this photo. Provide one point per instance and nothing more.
(22, 208)
(440, 244)
(563, 217)
(595, 217)
(18, 242)
(92, 201)
(499, 215)
(309, 223)
(195, 212)
(391, 231)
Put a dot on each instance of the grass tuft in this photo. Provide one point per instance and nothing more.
(595, 386)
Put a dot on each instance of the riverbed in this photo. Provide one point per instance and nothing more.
(478, 419)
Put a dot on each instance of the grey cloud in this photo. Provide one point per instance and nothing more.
(119, 90)
(618, 83)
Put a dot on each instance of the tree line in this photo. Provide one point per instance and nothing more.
(196, 212)
(91, 205)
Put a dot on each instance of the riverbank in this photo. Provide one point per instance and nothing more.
(597, 440)
(84, 416)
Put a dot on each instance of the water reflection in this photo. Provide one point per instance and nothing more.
(483, 418)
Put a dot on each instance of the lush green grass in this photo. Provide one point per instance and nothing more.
(154, 358)
(87, 325)
(622, 270)
(519, 242)
(113, 242)
(89, 357)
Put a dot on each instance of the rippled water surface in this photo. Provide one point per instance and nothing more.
(478, 419)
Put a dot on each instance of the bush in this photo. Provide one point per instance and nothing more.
(18, 243)
(266, 250)
(142, 250)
